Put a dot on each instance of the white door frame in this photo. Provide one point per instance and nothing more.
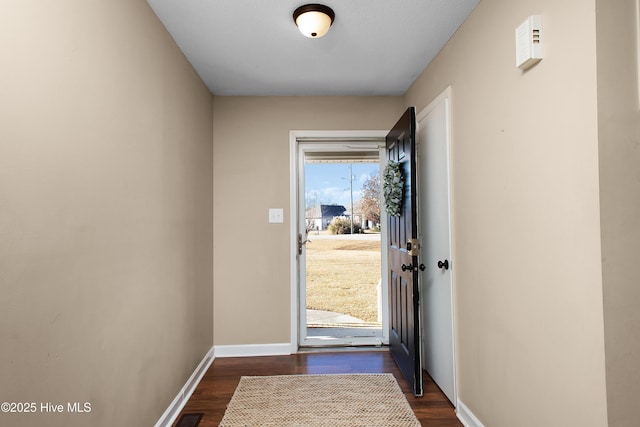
(313, 139)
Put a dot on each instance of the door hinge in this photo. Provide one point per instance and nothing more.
(413, 247)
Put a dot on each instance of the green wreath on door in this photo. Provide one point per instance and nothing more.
(392, 188)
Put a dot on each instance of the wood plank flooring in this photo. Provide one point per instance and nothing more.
(217, 386)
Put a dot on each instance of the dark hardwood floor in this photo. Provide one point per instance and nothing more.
(217, 386)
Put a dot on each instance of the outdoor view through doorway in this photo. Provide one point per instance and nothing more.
(343, 252)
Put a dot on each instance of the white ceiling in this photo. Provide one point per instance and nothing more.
(252, 47)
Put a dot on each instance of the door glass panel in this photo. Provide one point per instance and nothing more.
(343, 255)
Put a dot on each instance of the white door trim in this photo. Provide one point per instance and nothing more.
(295, 136)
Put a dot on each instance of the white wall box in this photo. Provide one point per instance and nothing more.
(529, 42)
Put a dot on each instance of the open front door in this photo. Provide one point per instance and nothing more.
(404, 315)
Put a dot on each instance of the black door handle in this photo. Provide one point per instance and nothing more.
(406, 267)
(444, 264)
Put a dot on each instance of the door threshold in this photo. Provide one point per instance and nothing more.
(333, 341)
(343, 332)
(342, 349)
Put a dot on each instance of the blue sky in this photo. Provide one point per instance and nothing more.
(328, 183)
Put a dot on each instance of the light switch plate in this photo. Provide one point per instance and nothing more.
(276, 216)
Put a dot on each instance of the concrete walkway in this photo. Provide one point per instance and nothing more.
(329, 325)
(329, 317)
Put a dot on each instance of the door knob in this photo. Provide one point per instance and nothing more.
(444, 264)
(406, 267)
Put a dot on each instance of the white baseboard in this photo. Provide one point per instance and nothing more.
(172, 412)
(249, 350)
(466, 416)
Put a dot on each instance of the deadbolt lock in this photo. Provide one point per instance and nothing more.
(413, 247)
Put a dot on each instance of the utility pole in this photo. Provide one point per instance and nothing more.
(351, 192)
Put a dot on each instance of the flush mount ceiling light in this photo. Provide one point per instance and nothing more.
(313, 20)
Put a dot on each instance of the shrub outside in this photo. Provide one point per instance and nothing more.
(342, 225)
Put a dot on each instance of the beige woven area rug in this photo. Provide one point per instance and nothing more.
(352, 400)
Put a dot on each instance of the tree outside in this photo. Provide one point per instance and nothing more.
(370, 202)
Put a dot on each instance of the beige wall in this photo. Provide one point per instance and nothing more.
(251, 174)
(619, 137)
(529, 317)
(105, 212)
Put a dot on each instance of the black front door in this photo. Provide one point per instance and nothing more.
(404, 336)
